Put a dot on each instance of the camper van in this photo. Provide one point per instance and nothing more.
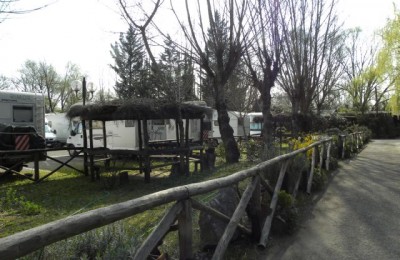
(22, 109)
(123, 134)
(59, 125)
(22, 125)
(239, 122)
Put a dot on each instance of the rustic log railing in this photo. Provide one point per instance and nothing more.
(25, 242)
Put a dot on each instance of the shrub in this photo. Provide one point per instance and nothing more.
(19, 203)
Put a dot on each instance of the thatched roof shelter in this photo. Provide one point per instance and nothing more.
(137, 109)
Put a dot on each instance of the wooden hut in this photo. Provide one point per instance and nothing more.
(141, 110)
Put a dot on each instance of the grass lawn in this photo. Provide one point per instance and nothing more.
(67, 193)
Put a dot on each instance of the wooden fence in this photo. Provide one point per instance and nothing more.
(25, 242)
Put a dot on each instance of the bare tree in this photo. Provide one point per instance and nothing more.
(212, 48)
(309, 41)
(263, 58)
(8, 8)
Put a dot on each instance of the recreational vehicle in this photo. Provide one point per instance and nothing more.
(22, 126)
(238, 121)
(123, 134)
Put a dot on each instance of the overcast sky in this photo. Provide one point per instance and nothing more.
(81, 31)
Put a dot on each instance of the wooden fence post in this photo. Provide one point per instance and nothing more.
(235, 219)
(159, 232)
(185, 231)
(309, 183)
(328, 155)
(321, 157)
(274, 201)
(343, 137)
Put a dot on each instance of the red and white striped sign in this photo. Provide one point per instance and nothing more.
(205, 134)
(22, 142)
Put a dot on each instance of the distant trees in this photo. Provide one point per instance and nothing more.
(41, 77)
(389, 60)
(311, 48)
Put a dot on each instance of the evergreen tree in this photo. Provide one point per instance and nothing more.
(178, 73)
(131, 67)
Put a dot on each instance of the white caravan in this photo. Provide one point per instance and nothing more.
(60, 124)
(239, 122)
(123, 134)
(22, 109)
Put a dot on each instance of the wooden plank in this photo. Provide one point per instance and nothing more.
(296, 186)
(274, 201)
(266, 184)
(64, 163)
(159, 232)
(310, 177)
(235, 219)
(146, 156)
(215, 213)
(185, 231)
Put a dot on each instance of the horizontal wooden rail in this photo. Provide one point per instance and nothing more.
(25, 242)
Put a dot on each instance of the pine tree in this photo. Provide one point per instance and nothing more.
(131, 67)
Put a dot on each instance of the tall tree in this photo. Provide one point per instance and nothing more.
(310, 37)
(212, 48)
(130, 66)
(66, 95)
(389, 60)
(362, 76)
(178, 72)
(263, 58)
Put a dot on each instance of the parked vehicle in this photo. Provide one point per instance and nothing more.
(239, 122)
(122, 134)
(50, 135)
(256, 123)
(22, 126)
(60, 125)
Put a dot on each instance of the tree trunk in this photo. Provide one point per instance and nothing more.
(267, 130)
(232, 153)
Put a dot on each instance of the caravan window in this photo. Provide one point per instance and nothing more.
(22, 114)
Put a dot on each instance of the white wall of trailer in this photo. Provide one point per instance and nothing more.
(239, 122)
(22, 109)
(124, 134)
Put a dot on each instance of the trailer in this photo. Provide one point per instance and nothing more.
(239, 122)
(22, 124)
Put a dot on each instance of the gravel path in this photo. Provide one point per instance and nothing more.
(358, 216)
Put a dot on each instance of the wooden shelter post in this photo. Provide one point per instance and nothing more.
(91, 161)
(140, 145)
(147, 168)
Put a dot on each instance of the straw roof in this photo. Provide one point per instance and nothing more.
(137, 109)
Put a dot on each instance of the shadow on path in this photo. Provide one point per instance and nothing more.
(357, 216)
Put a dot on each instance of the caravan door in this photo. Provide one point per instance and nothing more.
(157, 129)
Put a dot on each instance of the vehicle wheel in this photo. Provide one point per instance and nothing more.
(71, 150)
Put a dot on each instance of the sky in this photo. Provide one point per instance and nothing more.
(81, 32)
